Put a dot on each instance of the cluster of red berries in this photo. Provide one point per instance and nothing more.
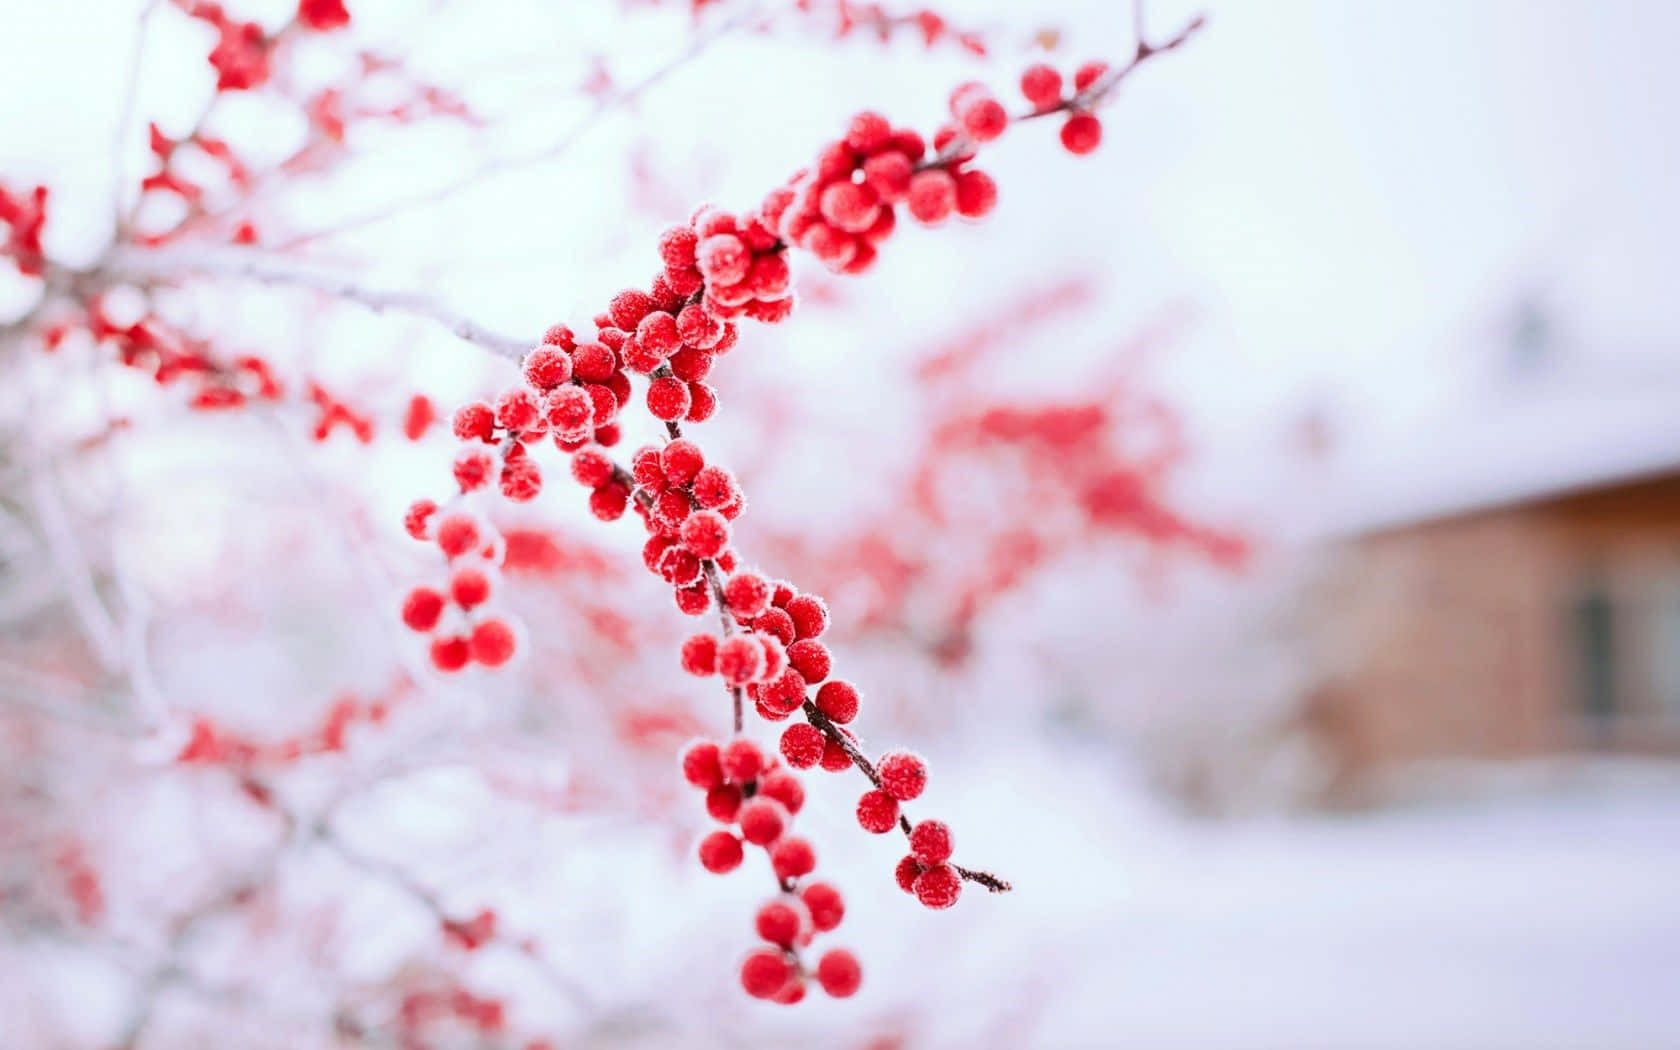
(454, 616)
(24, 214)
(687, 507)
(242, 52)
(748, 791)
(843, 206)
(1042, 86)
(780, 655)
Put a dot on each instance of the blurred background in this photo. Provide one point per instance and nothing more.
(1267, 525)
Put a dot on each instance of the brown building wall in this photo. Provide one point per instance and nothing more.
(1472, 636)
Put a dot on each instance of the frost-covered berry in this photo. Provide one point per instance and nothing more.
(792, 857)
(782, 694)
(723, 259)
(422, 609)
(668, 398)
(824, 904)
(547, 367)
(714, 488)
(809, 614)
(747, 594)
(983, 119)
(559, 335)
(474, 421)
(699, 655)
(629, 307)
(569, 410)
(835, 758)
(702, 764)
(720, 852)
(679, 567)
(1041, 85)
(473, 467)
(906, 873)
(1088, 74)
(521, 480)
(417, 520)
(938, 886)
(723, 803)
(456, 535)
(777, 624)
(976, 194)
(742, 760)
(609, 501)
(739, 659)
(657, 333)
(903, 774)
(785, 788)
(591, 467)
(762, 821)
(930, 841)
(517, 409)
(469, 587)
(679, 461)
(450, 654)
(839, 973)
(877, 812)
(838, 700)
(811, 659)
(781, 921)
(493, 643)
(888, 174)
(765, 972)
(676, 247)
(933, 194)
(802, 745)
(1082, 133)
(705, 534)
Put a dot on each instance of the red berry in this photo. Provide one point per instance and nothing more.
(570, 410)
(1041, 85)
(608, 501)
(668, 398)
(694, 599)
(792, 992)
(765, 972)
(838, 700)
(777, 624)
(906, 873)
(785, 788)
(705, 534)
(983, 119)
(723, 259)
(469, 588)
(933, 193)
(702, 764)
(629, 307)
(976, 194)
(792, 857)
(781, 921)
(472, 468)
(782, 694)
(888, 174)
(930, 841)
(877, 812)
(723, 803)
(746, 594)
(824, 904)
(699, 655)
(517, 409)
(547, 367)
(1088, 74)
(809, 614)
(811, 659)
(417, 519)
(676, 247)
(714, 488)
(493, 643)
(868, 132)
(456, 535)
(1082, 133)
(903, 775)
(839, 973)
(720, 852)
(658, 334)
(938, 886)
(559, 335)
(422, 609)
(450, 654)
(742, 760)
(521, 480)
(802, 745)
(834, 758)
(739, 660)
(591, 467)
(762, 821)
(475, 421)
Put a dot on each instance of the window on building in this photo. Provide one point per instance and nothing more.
(1595, 623)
